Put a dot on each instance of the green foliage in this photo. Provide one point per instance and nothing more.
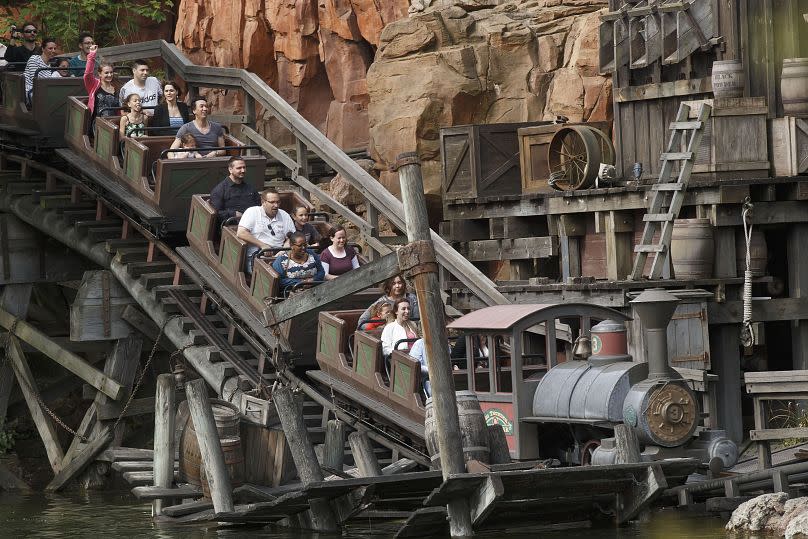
(788, 417)
(110, 21)
(7, 434)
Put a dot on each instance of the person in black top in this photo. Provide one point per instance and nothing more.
(233, 195)
(171, 112)
(19, 55)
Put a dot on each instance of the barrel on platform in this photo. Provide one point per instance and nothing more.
(473, 429)
(692, 249)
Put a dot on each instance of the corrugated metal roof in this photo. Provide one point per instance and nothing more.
(498, 317)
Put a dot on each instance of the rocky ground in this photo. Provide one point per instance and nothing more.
(772, 514)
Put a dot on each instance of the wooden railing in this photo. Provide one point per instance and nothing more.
(307, 137)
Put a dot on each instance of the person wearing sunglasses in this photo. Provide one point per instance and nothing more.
(264, 227)
(18, 56)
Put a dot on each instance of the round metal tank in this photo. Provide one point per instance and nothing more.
(609, 339)
(582, 390)
(662, 412)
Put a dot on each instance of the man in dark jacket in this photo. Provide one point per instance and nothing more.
(19, 55)
(233, 195)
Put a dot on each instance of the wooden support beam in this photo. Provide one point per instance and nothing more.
(619, 231)
(363, 455)
(334, 447)
(164, 414)
(797, 254)
(484, 499)
(210, 448)
(626, 444)
(111, 411)
(317, 297)
(416, 258)
(66, 359)
(15, 298)
(158, 494)
(639, 494)
(77, 465)
(84, 430)
(122, 365)
(308, 469)
(138, 320)
(726, 363)
(43, 423)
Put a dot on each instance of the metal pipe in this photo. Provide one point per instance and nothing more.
(655, 308)
(763, 475)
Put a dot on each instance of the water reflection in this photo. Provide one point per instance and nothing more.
(115, 514)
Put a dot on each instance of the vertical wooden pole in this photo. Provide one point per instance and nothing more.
(221, 492)
(308, 469)
(372, 217)
(434, 331)
(164, 413)
(303, 163)
(14, 299)
(627, 445)
(797, 253)
(334, 450)
(363, 455)
(725, 346)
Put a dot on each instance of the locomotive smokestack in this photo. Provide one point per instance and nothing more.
(655, 308)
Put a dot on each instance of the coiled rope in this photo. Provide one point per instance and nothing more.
(747, 339)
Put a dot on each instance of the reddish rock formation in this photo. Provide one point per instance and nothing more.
(514, 62)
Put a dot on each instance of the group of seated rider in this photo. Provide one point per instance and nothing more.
(266, 227)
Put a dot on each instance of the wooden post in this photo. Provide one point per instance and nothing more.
(363, 455)
(423, 268)
(498, 443)
(797, 251)
(627, 445)
(164, 413)
(308, 469)
(221, 492)
(725, 346)
(334, 449)
(14, 299)
(619, 229)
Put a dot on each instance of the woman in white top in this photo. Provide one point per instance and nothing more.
(338, 258)
(399, 329)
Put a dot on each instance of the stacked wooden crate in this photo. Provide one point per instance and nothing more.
(789, 145)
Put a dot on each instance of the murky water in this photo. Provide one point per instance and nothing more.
(101, 515)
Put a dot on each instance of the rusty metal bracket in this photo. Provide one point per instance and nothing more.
(409, 158)
(416, 258)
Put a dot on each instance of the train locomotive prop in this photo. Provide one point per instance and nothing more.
(552, 397)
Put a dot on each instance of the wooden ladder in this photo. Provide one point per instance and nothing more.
(657, 215)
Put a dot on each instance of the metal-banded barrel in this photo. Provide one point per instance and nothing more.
(473, 429)
(226, 416)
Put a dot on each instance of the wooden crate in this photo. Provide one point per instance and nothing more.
(789, 145)
(481, 160)
(734, 144)
(533, 144)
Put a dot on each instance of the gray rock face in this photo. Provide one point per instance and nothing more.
(773, 514)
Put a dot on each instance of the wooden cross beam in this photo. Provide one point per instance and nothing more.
(66, 359)
(43, 423)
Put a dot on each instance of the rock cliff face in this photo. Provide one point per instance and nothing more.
(474, 62)
(315, 53)
(367, 74)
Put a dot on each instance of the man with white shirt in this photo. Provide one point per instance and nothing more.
(265, 226)
(148, 88)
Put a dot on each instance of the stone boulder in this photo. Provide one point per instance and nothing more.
(460, 62)
(772, 514)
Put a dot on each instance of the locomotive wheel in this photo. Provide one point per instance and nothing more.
(606, 147)
(573, 156)
(587, 450)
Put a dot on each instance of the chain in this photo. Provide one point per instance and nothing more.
(146, 367)
(24, 380)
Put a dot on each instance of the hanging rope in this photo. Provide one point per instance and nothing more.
(747, 339)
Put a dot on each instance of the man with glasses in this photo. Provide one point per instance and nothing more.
(18, 56)
(79, 62)
(265, 226)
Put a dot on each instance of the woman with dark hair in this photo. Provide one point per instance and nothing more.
(339, 257)
(393, 289)
(102, 89)
(300, 265)
(171, 112)
(400, 329)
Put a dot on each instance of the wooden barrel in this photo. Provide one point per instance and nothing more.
(728, 79)
(473, 430)
(794, 86)
(758, 254)
(233, 461)
(692, 249)
(226, 416)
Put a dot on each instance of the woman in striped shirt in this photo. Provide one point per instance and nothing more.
(39, 62)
